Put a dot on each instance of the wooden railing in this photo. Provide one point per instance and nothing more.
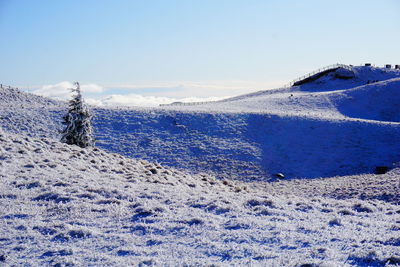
(2, 86)
(330, 67)
(186, 103)
(308, 75)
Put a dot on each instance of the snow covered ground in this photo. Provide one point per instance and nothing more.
(69, 206)
(218, 201)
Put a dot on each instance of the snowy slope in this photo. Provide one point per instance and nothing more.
(64, 206)
(304, 132)
(30, 114)
(379, 101)
(250, 146)
(373, 93)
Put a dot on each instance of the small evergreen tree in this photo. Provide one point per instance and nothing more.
(78, 130)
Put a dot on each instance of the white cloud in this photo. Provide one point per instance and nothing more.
(62, 90)
(57, 91)
(185, 89)
(91, 88)
(143, 101)
(154, 93)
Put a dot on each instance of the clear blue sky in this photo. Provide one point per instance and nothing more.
(113, 43)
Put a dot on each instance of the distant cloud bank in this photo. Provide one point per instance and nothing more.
(143, 101)
(150, 95)
(62, 90)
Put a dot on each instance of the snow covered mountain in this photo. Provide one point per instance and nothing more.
(196, 184)
(304, 131)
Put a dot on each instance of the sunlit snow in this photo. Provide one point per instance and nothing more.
(197, 185)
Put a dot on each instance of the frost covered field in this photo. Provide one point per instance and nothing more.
(195, 185)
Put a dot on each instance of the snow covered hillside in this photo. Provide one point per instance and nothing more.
(373, 94)
(197, 184)
(305, 131)
(30, 114)
(66, 206)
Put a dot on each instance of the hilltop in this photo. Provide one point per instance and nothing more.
(329, 96)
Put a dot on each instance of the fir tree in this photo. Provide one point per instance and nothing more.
(78, 130)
